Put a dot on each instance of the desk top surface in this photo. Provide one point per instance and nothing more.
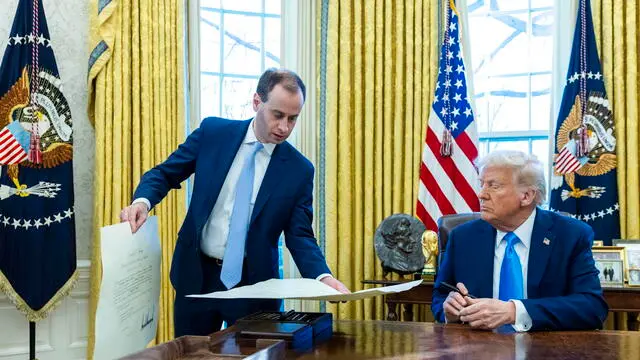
(385, 282)
(354, 340)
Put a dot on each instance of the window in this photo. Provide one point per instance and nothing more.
(511, 55)
(238, 41)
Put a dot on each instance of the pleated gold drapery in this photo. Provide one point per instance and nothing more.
(616, 24)
(377, 65)
(136, 84)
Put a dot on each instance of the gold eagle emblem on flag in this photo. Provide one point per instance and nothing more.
(601, 157)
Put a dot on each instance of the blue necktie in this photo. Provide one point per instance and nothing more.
(511, 283)
(231, 272)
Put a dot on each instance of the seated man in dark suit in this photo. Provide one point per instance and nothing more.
(529, 268)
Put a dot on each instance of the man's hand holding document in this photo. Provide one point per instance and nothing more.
(127, 314)
(304, 289)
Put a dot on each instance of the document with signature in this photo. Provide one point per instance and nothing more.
(303, 289)
(127, 314)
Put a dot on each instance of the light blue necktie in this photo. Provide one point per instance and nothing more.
(511, 283)
(231, 272)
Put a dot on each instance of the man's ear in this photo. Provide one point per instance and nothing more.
(528, 197)
(256, 101)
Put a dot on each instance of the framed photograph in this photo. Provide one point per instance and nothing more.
(608, 252)
(632, 248)
(611, 273)
(598, 243)
(634, 277)
(611, 253)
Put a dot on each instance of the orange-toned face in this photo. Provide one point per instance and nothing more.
(276, 118)
(501, 198)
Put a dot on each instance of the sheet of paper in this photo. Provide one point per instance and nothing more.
(305, 289)
(127, 314)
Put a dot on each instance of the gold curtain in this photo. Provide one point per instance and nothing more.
(136, 103)
(377, 66)
(616, 25)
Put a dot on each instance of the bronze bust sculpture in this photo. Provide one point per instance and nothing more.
(398, 244)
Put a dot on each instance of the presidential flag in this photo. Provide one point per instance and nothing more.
(448, 176)
(583, 183)
(37, 230)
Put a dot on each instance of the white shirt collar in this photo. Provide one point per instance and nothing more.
(523, 231)
(250, 137)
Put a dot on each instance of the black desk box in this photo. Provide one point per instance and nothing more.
(321, 324)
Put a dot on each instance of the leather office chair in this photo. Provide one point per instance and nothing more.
(446, 223)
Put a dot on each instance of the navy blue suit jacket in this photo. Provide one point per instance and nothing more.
(563, 289)
(283, 203)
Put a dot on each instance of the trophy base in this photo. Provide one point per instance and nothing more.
(428, 275)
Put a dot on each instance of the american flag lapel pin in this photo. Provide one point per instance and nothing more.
(546, 241)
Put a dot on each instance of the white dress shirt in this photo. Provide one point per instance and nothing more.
(216, 229)
(524, 231)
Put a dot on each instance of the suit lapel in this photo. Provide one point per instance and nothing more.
(487, 240)
(542, 242)
(272, 178)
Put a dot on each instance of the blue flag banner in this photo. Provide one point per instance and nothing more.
(37, 226)
(583, 183)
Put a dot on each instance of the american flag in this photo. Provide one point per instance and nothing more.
(14, 144)
(448, 183)
(566, 161)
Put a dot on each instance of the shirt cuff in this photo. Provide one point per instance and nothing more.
(144, 201)
(322, 276)
(523, 320)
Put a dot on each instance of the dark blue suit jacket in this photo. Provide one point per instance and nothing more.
(284, 203)
(563, 289)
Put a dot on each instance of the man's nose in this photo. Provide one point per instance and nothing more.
(283, 127)
(483, 194)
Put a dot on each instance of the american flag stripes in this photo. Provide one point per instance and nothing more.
(567, 162)
(448, 181)
(14, 144)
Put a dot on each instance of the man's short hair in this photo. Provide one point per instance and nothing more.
(287, 78)
(527, 169)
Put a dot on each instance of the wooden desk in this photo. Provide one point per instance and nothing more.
(619, 300)
(355, 340)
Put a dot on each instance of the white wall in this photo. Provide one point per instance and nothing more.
(62, 336)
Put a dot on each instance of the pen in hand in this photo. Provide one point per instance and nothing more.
(453, 288)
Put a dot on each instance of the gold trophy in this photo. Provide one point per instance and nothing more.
(430, 251)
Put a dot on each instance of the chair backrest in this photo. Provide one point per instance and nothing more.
(446, 223)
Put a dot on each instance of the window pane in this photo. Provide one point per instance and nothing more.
(509, 104)
(242, 44)
(519, 145)
(511, 54)
(484, 148)
(506, 5)
(273, 6)
(541, 102)
(209, 41)
(236, 98)
(209, 96)
(482, 112)
(541, 41)
(242, 5)
(272, 42)
(210, 3)
(541, 150)
(535, 4)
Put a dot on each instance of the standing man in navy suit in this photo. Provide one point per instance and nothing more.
(529, 269)
(249, 187)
